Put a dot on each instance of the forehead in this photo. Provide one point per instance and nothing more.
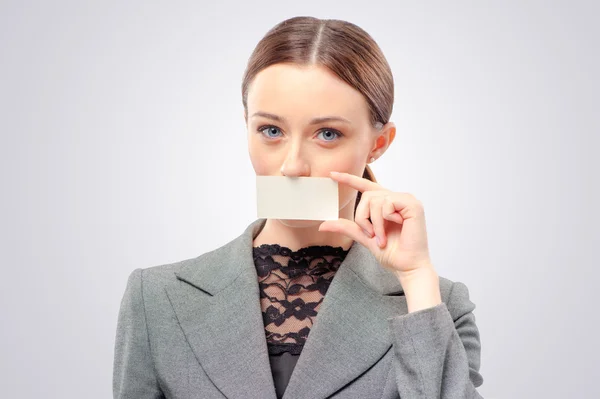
(303, 92)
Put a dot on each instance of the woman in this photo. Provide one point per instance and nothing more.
(351, 308)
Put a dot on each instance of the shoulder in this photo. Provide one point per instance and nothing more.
(212, 269)
(159, 275)
(145, 282)
(162, 273)
(456, 296)
(148, 285)
(212, 264)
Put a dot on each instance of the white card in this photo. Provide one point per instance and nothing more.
(302, 198)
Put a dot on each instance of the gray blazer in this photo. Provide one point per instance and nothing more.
(194, 329)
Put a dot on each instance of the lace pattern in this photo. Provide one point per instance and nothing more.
(292, 287)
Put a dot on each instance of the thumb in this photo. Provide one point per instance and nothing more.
(346, 227)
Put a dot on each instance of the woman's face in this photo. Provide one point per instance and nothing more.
(283, 138)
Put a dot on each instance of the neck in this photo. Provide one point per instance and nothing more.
(304, 234)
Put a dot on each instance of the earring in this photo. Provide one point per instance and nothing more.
(372, 159)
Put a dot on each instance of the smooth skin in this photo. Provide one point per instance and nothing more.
(284, 140)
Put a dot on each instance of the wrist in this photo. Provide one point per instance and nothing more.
(421, 288)
(423, 272)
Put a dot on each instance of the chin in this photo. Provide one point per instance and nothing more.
(299, 223)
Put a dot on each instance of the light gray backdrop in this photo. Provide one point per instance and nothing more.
(123, 146)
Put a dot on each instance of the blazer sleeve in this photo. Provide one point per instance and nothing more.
(134, 375)
(437, 351)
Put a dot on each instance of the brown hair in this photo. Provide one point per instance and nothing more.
(346, 49)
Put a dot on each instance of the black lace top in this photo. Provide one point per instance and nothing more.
(292, 287)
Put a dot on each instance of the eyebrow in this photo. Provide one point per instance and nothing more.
(313, 121)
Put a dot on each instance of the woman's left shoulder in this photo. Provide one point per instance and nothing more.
(456, 296)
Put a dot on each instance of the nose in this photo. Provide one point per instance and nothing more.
(294, 164)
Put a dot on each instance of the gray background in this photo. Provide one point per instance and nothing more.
(123, 146)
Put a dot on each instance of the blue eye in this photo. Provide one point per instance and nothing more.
(332, 134)
(273, 132)
(270, 129)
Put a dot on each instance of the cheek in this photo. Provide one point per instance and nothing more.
(261, 163)
(354, 165)
(350, 159)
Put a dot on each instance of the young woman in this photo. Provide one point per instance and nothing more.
(351, 308)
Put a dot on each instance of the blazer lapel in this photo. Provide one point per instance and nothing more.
(217, 304)
(350, 332)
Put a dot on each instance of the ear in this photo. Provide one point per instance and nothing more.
(385, 137)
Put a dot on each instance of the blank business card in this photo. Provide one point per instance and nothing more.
(302, 198)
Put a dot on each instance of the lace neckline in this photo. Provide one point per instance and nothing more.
(310, 250)
(292, 287)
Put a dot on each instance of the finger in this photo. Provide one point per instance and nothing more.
(406, 205)
(348, 228)
(376, 205)
(389, 211)
(359, 183)
(361, 216)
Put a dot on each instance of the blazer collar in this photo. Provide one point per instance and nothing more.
(217, 304)
(215, 270)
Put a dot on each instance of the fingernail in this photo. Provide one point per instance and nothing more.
(367, 233)
(378, 241)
